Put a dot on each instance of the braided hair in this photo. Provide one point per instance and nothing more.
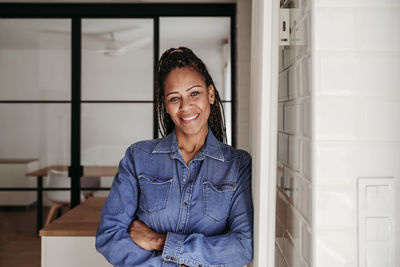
(183, 57)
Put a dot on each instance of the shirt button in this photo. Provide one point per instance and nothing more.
(180, 230)
(185, 203)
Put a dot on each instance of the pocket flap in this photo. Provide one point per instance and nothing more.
(221, 186)
(155, 180)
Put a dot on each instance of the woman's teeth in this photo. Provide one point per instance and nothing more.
(190, 118)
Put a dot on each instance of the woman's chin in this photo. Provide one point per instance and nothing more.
(191, 130)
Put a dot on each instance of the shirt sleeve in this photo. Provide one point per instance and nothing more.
(235, 248)
(112, 237)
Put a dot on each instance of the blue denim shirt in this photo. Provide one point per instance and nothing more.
(205, 207)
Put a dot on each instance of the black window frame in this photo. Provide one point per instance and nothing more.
(76, 12)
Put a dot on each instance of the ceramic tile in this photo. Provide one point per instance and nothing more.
(294, 152)
(283, 86)
(294, 81)
(289, 56)
(291, 118)
(281, 206)
(338, 117)
(379, 120)
(378, 29)
(306, 158)
(366, 159)
(283, 147)
(280, 117)
(335, 29)
(293, 226)
(305, 117)
(336, 206)
(336, 248)
(305, 70)
(289, 176)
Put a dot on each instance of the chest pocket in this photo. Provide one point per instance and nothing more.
(217, 199)
(154, 192)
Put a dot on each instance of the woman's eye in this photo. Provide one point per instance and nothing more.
(195, 93)
(173, 99)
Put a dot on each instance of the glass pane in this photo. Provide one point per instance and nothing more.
(35, 59)
(209, 38)
(117, 59)
(109, 129)
(33, 136)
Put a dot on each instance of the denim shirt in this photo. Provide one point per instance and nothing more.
(205, 207)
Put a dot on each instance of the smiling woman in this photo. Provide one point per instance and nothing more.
(185, 199)
(187, 100)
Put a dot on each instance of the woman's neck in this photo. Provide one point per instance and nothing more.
(189, 145)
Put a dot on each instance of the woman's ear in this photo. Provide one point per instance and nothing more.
(211, 94)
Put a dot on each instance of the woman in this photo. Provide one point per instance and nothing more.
(185, 199)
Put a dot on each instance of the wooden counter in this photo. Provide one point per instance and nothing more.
(80, 221)
(70, 240)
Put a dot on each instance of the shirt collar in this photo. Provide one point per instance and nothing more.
(211, 149)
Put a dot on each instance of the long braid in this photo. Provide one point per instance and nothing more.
(180, 58)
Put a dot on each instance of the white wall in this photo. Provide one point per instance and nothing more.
(294, 178)
(356, 67)
(243, 48)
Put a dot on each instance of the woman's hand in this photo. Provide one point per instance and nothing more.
(146, 238)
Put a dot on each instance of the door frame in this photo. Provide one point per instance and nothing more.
(263, 126)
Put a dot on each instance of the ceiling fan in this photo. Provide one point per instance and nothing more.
(114, 41)
(114, 47)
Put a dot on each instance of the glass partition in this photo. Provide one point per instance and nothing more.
(117, 66)
(117, 59)
(35, 86)
(35, 59)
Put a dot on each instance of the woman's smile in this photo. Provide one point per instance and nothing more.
(190, 119)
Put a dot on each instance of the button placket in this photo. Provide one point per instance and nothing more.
(186, 195)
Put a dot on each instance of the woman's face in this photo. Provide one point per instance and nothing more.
(187, 99)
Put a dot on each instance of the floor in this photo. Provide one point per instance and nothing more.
(19, 243)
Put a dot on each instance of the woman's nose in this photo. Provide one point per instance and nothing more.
(185, 103)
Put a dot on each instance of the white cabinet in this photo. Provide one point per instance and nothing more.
(67, 251)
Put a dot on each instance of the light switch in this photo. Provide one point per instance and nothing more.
(376, 212)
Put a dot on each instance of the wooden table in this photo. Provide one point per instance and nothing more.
(16, 160)
(88, 171)
(70, 239)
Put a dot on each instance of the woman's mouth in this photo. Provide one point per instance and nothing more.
(188, 119)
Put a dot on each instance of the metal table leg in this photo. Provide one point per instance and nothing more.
(39, 210)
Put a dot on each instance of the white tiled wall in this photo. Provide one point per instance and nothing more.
(356, 78)
(293, 220)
